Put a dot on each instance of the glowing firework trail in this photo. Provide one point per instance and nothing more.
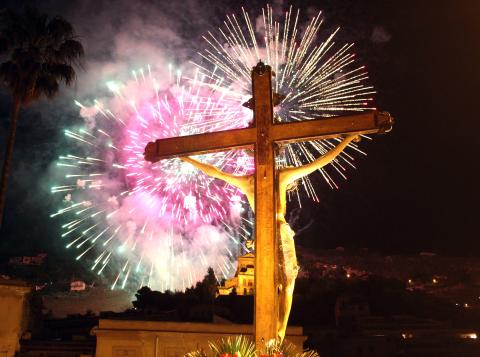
(315, 79)
(122, 211)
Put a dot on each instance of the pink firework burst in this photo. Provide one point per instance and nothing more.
(155, 220)
(171, 189)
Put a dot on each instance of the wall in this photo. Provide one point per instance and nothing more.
(123, 338)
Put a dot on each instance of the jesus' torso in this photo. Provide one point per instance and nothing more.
(246, 184)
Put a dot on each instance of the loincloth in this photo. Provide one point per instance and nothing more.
(288, 257)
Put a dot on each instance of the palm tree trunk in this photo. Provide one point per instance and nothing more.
(7, 162)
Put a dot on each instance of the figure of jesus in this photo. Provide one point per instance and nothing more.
(286, 177)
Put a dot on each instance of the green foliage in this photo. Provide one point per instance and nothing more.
(151, 301)
(205, 291)
(238, 346)
(284, 349)
(195, 304)
(40, 53)
(241, 346)
(199, 353)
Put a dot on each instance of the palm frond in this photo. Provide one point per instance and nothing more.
(309, 353)
(242, 346)
(46, 85)
(199, 353)
(284, 349)
(288, 349)
(58, 29)
(42, 53)
(70, 50)
(62, 72)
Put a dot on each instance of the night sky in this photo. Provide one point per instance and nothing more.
(417, 189)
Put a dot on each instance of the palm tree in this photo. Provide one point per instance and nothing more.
(40, 53)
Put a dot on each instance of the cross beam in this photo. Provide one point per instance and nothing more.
(262, 136)
(370, 122)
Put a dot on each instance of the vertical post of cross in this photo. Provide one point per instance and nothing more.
(266, 307)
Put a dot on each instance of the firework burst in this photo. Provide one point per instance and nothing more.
(162, 223)
(315, 79)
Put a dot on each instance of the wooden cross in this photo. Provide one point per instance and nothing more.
(262, 136)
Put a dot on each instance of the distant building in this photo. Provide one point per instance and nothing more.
(243, 281)
(64, 303)
(427, 254)
(27, 260)
(78, 285)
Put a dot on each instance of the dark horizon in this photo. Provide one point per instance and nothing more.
(415, 191)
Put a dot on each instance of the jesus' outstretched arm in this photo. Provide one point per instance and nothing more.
(212, 171)
(291, 174)
(243, 183)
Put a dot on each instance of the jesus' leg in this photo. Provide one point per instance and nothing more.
(288, 270)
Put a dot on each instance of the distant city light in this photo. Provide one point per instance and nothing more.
(469, 335)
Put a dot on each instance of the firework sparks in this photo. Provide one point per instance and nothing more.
(314, 79)
(163, 223)
(144, 220)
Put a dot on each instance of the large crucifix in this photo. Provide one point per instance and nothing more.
(262, 135)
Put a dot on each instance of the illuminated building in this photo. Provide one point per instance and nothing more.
(243, 281)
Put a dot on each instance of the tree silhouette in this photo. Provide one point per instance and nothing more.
(41, 52)
(195, 303)
(154, 301)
